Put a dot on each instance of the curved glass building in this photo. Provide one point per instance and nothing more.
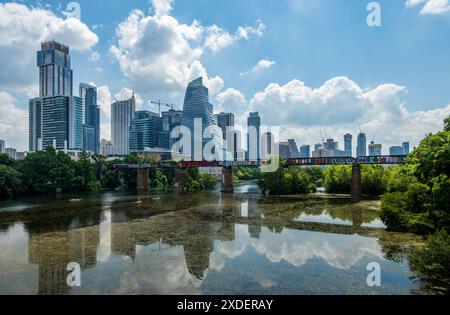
(198, 109)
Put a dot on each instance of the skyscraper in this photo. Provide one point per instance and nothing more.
(253, 140)
(224, 121)
(396, 150)
(293, 149)
(55, 75)
(170, 120)
(361, 145)
(197, 107)
(374, 149)
(2, 146)
(305, 151)
(91, 131)
(56, 117)
(144, 131)
(35, 124)
(122, 114)
(348, 144)
(405, 147)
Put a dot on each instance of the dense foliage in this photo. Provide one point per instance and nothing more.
(431, 263)
(419, 199)
(50, 171)
(293, 180)
(246, 173)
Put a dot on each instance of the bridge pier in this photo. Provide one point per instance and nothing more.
(143, 180)
(179, 182)
(227, 180)
(356, 191)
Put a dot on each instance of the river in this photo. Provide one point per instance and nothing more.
(200, 243)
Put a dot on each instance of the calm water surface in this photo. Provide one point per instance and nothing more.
(199, 243)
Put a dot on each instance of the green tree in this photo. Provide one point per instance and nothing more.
(426, 201)
(338, 179)
(10, 181)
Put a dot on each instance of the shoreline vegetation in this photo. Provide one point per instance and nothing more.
(50, 172)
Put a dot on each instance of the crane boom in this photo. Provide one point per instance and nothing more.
(159, 103)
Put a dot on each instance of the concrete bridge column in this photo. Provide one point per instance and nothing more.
(356, 181)
(179, 182)
(227, 180)
(143, 180)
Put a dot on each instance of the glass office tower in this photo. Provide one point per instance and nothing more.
(122, 114)
(144, 131)
(56, 77)
(88, 94)
(361, 148)
(197, 106)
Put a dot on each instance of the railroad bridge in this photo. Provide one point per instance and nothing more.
(227, 169)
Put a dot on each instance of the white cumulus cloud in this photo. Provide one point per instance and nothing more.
(22, 29)
(13, 122)
(262, 65)
(158, 53)
(430, 6)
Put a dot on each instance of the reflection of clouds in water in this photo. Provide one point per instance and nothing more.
(9, 242)
(229, 249)
(158, 271)
(297, 247)
(104, 250)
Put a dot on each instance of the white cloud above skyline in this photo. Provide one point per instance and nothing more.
(22, 29)
(261, 66)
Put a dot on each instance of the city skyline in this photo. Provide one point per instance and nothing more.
(385, 104)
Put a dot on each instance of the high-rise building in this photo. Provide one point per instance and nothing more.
(226, 121)
(305, 151)
(11, 153)
(88, 94)
(55, 75)
(348, 144)
(122, 114)
(106, 148)
(2, 146)
(396, 150)
(144, 131)
(374, 149)
(35, 125)
(56, 117)
(405, 147)
(253, 136)
(56, 121)
(170, 120)
(284, 151)
(197, 108)
(293, 149)
(330, 145)
(361, 145)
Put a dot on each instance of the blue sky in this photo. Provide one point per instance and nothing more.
(392, 80)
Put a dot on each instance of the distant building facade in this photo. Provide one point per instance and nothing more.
(374, 149)
(253, 140)
(396, 150)
(361, 147)
(305, 151)
(293, 149)
(122, 114)
(197, 107)
(406, 148)
(144, 131)
(348, 138)
(91, 134)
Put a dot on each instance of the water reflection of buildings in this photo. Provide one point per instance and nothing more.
(53, 251)
(93, 238)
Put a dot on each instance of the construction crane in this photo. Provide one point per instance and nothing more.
(171, 106)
